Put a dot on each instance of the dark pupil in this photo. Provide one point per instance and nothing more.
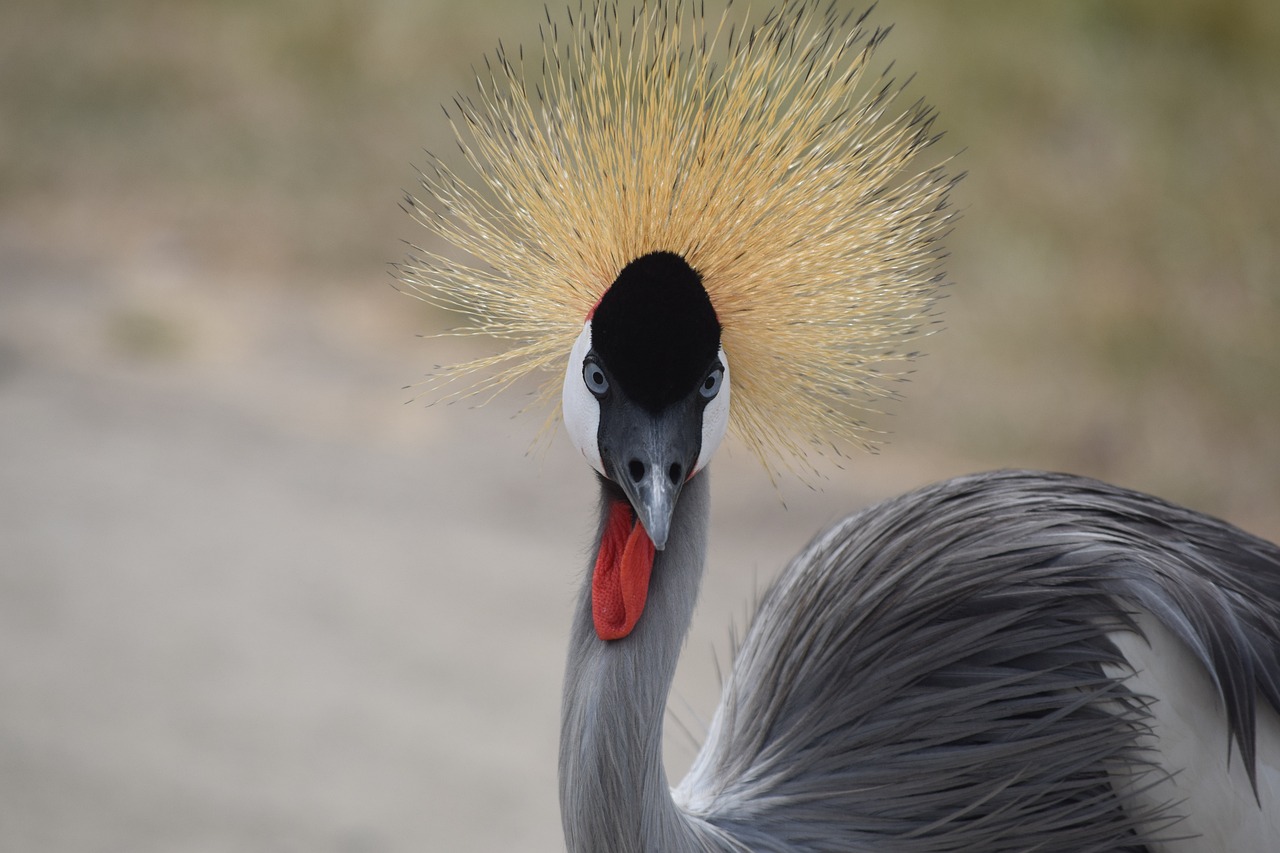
(710, 383)
(597, 377)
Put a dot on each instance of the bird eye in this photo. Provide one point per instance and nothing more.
(593, 375)
(711, 385)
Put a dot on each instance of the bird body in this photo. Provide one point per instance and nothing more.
(725, 228)
(967, 667)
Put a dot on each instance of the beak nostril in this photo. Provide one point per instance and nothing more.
(674, 473)
(636, 469)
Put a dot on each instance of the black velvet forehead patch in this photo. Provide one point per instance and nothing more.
(655, 330)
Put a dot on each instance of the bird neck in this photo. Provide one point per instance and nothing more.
(613, 788)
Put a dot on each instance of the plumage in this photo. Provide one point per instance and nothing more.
(766, 154)
(1013, 661)
(952, 651)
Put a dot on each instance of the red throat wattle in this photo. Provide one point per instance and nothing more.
(620, 583)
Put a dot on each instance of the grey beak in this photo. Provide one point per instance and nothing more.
(653, 496)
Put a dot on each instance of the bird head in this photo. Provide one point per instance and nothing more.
(661, 191)
(646, 389)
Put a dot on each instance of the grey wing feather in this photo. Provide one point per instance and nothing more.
(931, 671)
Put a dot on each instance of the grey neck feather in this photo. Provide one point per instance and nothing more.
(613, 788)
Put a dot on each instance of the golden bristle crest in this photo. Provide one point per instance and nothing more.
(758, 152)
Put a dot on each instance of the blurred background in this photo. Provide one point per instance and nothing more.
(251, 600)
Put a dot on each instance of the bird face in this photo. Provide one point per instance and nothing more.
(646, 390)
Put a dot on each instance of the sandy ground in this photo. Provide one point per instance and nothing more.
(250, 600)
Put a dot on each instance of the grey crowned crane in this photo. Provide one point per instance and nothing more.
(697, 224)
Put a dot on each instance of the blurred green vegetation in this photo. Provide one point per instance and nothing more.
(1117, 269)
(260, 132)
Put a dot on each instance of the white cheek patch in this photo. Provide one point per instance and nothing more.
(715, 419)
(581, 408)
